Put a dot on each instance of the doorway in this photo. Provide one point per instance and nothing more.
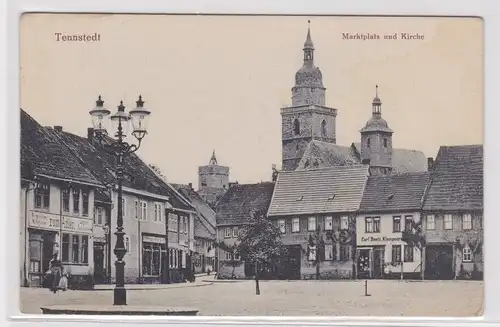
(378, 262)
(99, 269)
(439, 262)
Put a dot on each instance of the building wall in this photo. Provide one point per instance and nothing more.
(377, 153)
(205, 255)
(138, 229)
(387, 237)
(227, 268)
(34, 221)
(213, 176)
(341, 265)
(458, 237)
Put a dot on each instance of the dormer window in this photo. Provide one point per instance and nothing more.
(390, 197)
(331, 197)
(300, 198)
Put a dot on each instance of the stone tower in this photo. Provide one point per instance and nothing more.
(213, 180)
(376, 141)
(307, 118)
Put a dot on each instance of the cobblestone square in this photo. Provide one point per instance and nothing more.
(292, 298)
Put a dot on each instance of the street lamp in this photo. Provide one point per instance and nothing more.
(120, 148)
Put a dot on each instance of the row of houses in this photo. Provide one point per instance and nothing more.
(361, 219)
(68, 207)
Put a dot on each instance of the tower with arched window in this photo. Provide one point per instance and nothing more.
(308, 118)
(376, 141)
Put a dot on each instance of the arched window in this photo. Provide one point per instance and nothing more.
(385, 143)
(323, 128)
(368, 142)
(296, 126)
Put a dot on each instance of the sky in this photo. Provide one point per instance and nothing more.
(218, 82)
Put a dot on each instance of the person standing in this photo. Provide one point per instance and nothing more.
(56, 270)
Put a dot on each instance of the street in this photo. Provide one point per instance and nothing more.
(292, 298)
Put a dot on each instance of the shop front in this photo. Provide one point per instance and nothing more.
(68, 237)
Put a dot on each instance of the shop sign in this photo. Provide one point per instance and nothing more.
(44, 221)
(79, 225)
(153, 239)
(380, 239)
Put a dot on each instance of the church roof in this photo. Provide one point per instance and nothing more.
(393, 193)
(308, 44)
(325, 154)
(376, 124)
(404, 160)
(457, 179)
(316, 191)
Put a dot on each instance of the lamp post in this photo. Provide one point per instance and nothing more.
(120, 149)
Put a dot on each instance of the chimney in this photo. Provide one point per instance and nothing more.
(190, 186)
(58, 128)
(90, 134)
(365, 161)
(430, 164)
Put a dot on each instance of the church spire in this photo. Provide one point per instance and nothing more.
(377, 103)
(213, 159)
(308, 45)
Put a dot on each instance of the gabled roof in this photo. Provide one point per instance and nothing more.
(457, 179)
(404, 160)
(43, 154)
(138, 175)
(325, 190)
(236, 204)
(202, 207)
(201, 230)
(393, 193)
(320, 154)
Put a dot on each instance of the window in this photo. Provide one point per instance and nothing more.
(235, 232)
(385, 143)
(329, 252)
(344, 223)
(76, 201)
(151, 258)
(312, 253)
(99, 217)
(329, 223)
(323, 128)
(75, 248)
(144, 210)
(409, 253)
(368, 225)
(137, 210)
(85, 203)
(396, 224)
(282, 226)
(296, 126)
(157, 216)
(42, 196)
(65, 248)
(173, 222)
(345, 252)
(84, 249)
(466, 221)
(311, 226)
(227, 232)
(448, 221)
(237, 256)
(467, 254)
(431, 222)
(228, 255)
(376, 224)
(396, 253)
(408, 223)
(171, 258)
(65, 199)
(295, 225)
(368, 142)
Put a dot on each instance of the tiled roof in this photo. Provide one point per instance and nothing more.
(101, 163)
(457, 179)
(201, 230)
(324, 190)
(400, 192)
(42, 153)
(202, 207)
(236, 204)
(404, 160)
(320, 154)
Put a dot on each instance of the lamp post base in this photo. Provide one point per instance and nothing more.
(119, 296)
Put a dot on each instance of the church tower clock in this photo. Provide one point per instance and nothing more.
(308, 118)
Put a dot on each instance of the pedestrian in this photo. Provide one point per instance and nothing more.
(56, 270)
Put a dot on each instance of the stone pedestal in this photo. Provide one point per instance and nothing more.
(128, 310)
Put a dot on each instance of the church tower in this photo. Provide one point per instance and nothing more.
(376, 141)
(213, 180)
(308, 118)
